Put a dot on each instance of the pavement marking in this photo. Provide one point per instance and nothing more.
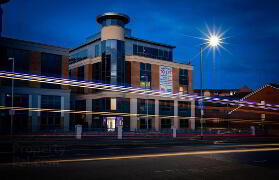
(144, 156)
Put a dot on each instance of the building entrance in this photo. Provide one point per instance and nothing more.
(111, 123)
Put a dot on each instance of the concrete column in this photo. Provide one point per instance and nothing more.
(133, 111)
(89, 116)
(192, 120)
(66, 106)
(175, 119)
(62, 106)
(157, 119)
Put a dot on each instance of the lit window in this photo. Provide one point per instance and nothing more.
(113, 104)
(181, 90)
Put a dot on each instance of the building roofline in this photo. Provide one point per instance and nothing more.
(112, 15)
(85, 44)
(218, 89)
(33, 46)
(35, 43)
(150, 42)
(130, 38)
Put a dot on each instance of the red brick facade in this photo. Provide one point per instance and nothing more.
(88, 76)
(65, 69)
(35, 67)
(270, 95)
(190, 80)
(175, 79)
(155, 80)
(135, 74)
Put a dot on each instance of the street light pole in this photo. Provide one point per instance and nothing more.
(12, 111)
(201, 79)
(146, 104)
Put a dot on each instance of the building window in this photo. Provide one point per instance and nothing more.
(96, 103)
(183, 81)
(96, 70)
(70, 74)
(165, 123)
(109, 22)
(183, 77)
(143, 104)
(79, 56)
(166, 105)
(113, 62)
(184, 108)
(184, 123)
(123, 105)
(106, 104)
(145, 124)
(150, 52)
(145, 75)
(80, 73)
(97, 50)
(50, 120)
(51, 66)
(80, 105)
(113, 104)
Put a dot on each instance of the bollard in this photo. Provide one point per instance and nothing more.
(78, 131)
(119, 132)
(253, 130)
(174, 132)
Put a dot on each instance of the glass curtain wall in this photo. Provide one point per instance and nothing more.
(183, 81)
(50, 120)
(113, 62)
(145, 75)
(150, 52)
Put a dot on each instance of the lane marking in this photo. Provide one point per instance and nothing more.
(143, 156)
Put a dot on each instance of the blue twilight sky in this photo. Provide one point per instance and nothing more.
(253, 27)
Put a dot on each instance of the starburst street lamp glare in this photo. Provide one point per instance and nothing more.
(214, 41)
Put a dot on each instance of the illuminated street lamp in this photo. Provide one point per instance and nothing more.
(212, 41)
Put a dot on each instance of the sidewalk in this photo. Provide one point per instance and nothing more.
(128, 141)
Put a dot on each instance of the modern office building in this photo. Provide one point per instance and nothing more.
(40, 59)
(114, 56)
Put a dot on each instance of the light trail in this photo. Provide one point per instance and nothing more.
(139, 115)
(84, 84)
(158, 155)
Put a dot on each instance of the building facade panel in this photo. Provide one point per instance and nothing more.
(135, 74)
(35, 67)
(112, 32)
(155, 84)
(175, 79)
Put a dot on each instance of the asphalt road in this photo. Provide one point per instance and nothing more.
(215, 161)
